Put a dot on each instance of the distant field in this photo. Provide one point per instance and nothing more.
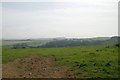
(12, 42)
(85, 61)
(33, 42)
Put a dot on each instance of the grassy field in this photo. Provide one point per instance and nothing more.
(85, 61)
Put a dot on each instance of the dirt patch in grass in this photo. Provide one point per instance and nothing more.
(35, 67)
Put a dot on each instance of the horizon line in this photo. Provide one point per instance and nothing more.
(56, 37)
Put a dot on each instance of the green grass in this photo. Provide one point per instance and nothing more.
(85, 61)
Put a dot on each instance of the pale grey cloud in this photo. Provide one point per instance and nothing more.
(84, 18)
(0, 20)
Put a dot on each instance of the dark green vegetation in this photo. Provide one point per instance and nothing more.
(85, 61)
(82, 42)
(58, 42)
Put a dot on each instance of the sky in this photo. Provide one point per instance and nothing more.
(59, 18)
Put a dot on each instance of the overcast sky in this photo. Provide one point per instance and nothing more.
(60, 18)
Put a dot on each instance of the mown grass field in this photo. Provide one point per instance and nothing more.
(85, 61)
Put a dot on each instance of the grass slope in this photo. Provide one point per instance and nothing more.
(86, 61)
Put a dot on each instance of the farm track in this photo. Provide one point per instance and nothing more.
(35, 67)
